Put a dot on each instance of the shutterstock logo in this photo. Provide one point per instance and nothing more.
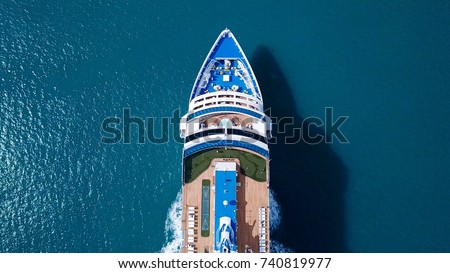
(312, 130)
(119, 130)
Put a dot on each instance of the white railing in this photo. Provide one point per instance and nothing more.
(224, 98)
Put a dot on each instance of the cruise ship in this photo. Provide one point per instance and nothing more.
(225, 191)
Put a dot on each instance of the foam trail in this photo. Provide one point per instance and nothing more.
(275, 220)
(275, 211)
(277, 247)
(173, 231)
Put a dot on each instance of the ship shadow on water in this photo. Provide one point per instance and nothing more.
(308, 181)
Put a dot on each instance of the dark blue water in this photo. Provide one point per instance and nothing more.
(65, 67)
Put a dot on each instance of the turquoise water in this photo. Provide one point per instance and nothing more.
(64, 67)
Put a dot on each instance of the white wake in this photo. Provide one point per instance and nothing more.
(275, 221)
(173, 231)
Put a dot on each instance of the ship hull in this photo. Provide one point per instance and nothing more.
(225, 189)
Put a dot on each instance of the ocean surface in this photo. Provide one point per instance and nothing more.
(65, 66)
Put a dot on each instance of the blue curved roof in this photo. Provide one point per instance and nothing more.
(225, 143)
(225, 47)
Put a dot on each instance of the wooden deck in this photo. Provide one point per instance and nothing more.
(251, 196)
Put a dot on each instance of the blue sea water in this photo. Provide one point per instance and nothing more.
(67, 65)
